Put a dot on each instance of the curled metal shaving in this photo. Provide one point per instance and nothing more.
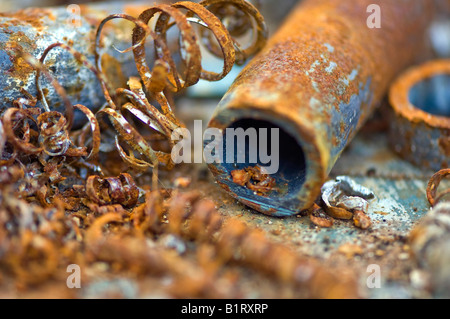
(238, 17)
(263, 183)
(344, 195)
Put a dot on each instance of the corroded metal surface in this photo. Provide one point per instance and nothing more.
(319, 78)
(34, 29)
(420, 128)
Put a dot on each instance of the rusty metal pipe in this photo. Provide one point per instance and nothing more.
(420, 128)
(318, 80)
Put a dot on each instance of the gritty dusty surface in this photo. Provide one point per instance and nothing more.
(400, 202)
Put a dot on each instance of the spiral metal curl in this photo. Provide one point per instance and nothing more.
(166, 77)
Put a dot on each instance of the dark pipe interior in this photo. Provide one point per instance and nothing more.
(292, 165)
(432, 95)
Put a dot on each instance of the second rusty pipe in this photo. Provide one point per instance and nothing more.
(318, 80)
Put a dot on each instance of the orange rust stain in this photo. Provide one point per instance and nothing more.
(444, 145)
(18, 41)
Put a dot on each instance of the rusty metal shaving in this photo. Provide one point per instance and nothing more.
(234, 241)
(254, 179)
(430, 238)
(34, 29)
(66, 198)
(319, 218)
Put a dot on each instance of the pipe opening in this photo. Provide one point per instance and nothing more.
(287, 159)
(432, 95)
